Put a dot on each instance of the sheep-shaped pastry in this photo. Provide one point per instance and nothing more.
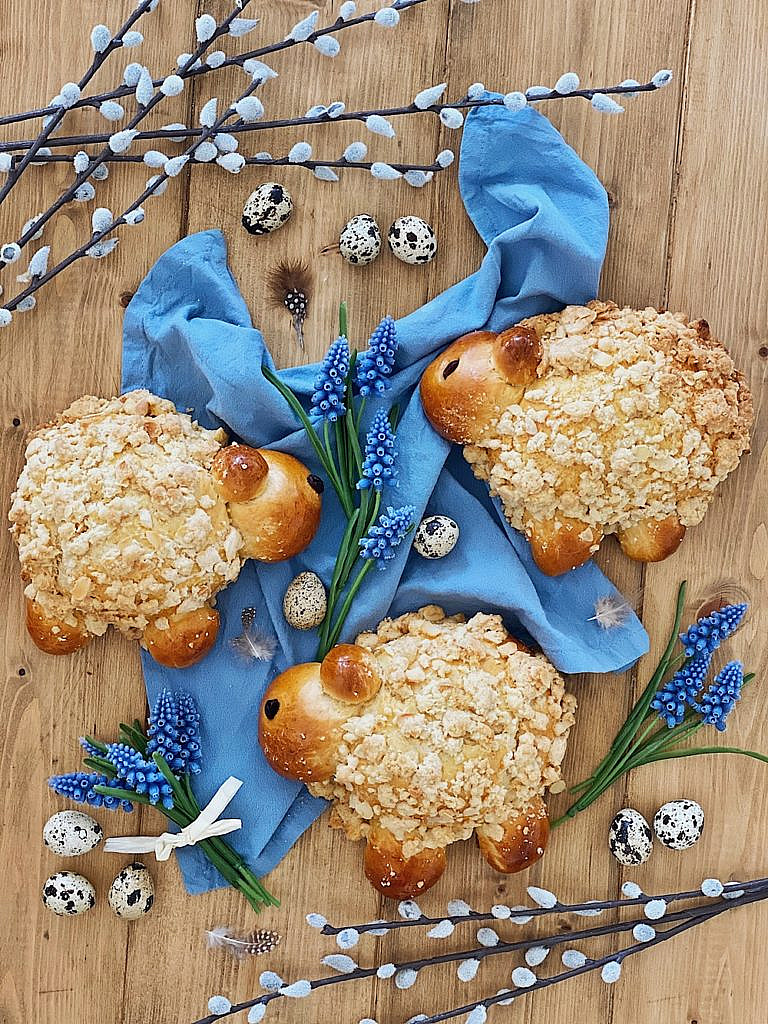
(592, 421)
(420, 734)
(128, 513)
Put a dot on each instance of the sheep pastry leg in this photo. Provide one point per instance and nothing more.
(272, 498)
(51, 635)
(566, 544)
(396, 876)
(187, 638)
(523, 843)
(652, 540)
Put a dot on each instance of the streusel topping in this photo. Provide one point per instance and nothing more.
(636, 415)
(116, 517)
(466, 730)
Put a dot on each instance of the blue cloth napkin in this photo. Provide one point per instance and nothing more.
(188, 337)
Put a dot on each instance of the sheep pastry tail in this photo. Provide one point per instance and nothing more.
(523, 842)
(396, 876)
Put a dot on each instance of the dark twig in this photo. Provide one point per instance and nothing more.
(191, 72)
(178, 134)
(60, 112)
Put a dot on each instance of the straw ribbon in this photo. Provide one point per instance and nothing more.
(205, 826)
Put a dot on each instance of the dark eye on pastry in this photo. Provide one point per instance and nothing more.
(315, 483)
(271, 708)
(449, 368)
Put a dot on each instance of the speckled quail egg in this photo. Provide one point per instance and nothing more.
(630, 839)
(679, 824)
(360, 240)
(132, 893)
(71, 833)
(305, 601)
(436, 536)
(267, 208)
(412, 240)
(66, 893)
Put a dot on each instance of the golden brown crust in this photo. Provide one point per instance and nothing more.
(465, 389)
(282, 516)
(652, 540)
(300, 726)
(457, 729)
(239, 471)
(523, 842)
(635, 417)
(184, 639)
(349, 674)
(54, 636)
(396, 876)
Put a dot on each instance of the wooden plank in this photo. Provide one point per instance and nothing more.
(61, 969)
(157, 970)
(719, 220)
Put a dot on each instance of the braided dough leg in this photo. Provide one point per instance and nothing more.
(396, 876)
(559, 547)
(187, 639)
(523, 843)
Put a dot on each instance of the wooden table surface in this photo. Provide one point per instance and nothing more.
(685, 170)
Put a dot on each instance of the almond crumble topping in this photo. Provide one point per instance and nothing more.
(636, 415)
(116, 517)
(466, 730)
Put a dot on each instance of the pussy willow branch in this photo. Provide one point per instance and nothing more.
(277, 161)
(689, 917)
(617, 956)
(235, 61)
(67, 196)
(60, 112)
(178, 134)
(559, 908)
(117, 222)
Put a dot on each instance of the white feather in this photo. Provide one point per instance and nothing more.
(252, 642)
(610, 611)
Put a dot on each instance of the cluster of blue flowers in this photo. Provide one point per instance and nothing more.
(379, 457)
(173, 732)
(374, 368)
(385, 535)
(682, 691)
(331, 384)
(79, 786)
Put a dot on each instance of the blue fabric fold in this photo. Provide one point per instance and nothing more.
(188, 337)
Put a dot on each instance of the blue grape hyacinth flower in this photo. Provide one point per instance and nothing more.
(174, 731)
(79, 786)
(706, 635)
(386, 534)
(135, 773)
(374, 367)
(722, 696)
(331, 383)
(681, 690)
(379, 456)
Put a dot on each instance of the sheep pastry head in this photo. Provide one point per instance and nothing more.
(128, 513)
(421, 734)
(592, 421)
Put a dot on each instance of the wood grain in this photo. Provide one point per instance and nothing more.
(685, 172)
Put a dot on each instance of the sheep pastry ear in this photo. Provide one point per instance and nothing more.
(300, 726)
(653, 539)
(185, 639)
(476, 378)
(350, 674)
(558, 547)
(523, 842)
(397, 876)
(273, 500)
(52, 635)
